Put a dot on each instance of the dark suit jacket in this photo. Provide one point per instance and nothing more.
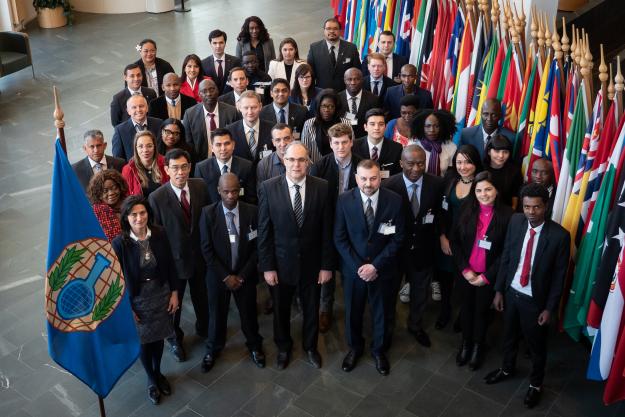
(208, 170)
(118, 104)
(162, 67)
(398, 62)
(185, 238)
(386, 84)
(421, 237)
(84, 172)
(394, 95)
(158, 106)
(368, 101)
(124, 135)
(388, 158)
(215, 243)
(326, 75)
(296, 254)
(228, 98)
(327, 169)
(550, 262)
(473, 136)
(195, 126)
(208, 66)
(128, 253)
(263, 140)
(358, 246)
(297, 115)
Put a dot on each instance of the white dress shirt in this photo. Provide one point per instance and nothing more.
(221, 165)
(389, 66)
(349, 101)
(178, 191)
(93, 164)
(336, 48)
(486, 135)
(377, 145)
(302, 191)
(516, 281)
(374, 201)
(247, 130)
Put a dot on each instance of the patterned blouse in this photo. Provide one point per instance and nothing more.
(108, 220)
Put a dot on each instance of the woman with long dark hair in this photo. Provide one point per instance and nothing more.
(254, 37)
(433, 130)
(287, 63)
(304, 91)
(192, 76)
(505, 171)
(152, 67)
(145, 172)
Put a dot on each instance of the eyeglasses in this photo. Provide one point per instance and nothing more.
(296, 160)
(171, 132)
(180, 168)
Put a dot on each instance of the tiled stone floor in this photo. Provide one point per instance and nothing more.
(85, 62)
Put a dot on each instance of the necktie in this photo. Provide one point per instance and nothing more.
(252, 143)
(224, 169)
(282, 116)
(414, 201)
(527, 260)
(173, 103)
(297, 206)
(220, 69)
(369, 216)
(376, 89)
(354, 108)
(186, 207)
(332, 56)
(488, 138)
(374, 153)
(97, 167)
(136, 93)
(211, 121)
(234, 246)
(140, 128)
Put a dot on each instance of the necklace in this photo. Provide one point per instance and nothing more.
(466, 181)
(145, 245)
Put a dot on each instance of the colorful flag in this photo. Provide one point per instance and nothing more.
(419, 33)
(461, 89)
(402, 47)
(451, 61)
(615, 387)
(555, 125)
(528, 92)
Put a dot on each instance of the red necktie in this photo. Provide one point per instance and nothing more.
(527, 260)
(186, 207)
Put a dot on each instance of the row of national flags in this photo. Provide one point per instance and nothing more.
(464, 58)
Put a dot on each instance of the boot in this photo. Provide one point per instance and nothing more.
(463, 353)
(476, 357)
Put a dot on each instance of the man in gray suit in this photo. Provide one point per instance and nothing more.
(95, 161)
(479, 135)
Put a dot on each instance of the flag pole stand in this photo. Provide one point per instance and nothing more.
(101, 404)
(182, 9)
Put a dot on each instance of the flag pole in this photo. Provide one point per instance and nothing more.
(58, 119)
(619, 85)
(603, 78)
(101, 404)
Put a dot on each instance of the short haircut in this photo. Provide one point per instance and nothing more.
(175, 154)
(137, 96)
(277, 81)
(376, 55)
(281, 126)
(332, 19)
(250, 94)
(93, 133)
(535, 190)
(233, 70)
(340, 129)
(297, 143)
(220, 131)
(376, 111)
(131, 67)
(248, 53)
(368, 164)
(216, 34)
(413, 147)
(387, 33)
(147, 40)
(410, 100)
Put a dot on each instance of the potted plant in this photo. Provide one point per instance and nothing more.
(53, 13)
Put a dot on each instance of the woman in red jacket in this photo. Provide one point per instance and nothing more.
(145, 172)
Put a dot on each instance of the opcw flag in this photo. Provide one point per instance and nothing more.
(91, 330)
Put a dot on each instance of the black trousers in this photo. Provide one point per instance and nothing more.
(446, 282)
(419, 280)
(199, 299)
(521, 318)
(219, 303)
(476, 302)
(282, 295)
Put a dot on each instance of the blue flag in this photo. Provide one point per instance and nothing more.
(91, 331)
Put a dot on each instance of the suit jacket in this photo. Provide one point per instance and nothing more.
(368, 101)
(386, 84)
(124, 136)
(208, 170)
(208, 66)
(195, 126)
(421, 234)
(398, 62)
(297, 116)
(328, 169)
(394, 95)
(297, 254)
(277, 70)
(329, 76)
(84, 172)
(269, 52)
(263, 140)
(550, 261)
(118, 104)
(228, 98)
(185, 238)
(215, 243)
(162, 67)
(158, 106)
(389, 155)
(357, 245)
(473, 136)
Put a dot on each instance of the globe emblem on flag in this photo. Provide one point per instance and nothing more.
(84, 286)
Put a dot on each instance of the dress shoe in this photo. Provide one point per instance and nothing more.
(325, 320)
(381, 364)
(422, 337)
(350, 361)
(464, 353)
(177, 350)
(441, 321)
(208, 362)
(258, 357)
(477, 357)
(154, 395)
(163, 384)
(314, 358)
(532, 398)
(497, 375)
(282, 361)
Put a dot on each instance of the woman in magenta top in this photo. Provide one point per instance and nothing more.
(477, 242)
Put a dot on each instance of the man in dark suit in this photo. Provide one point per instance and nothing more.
(392, 99)
(421, 194)
(529, 285)
(376, 81)
(171, 103)
(218, 65)
(281, 111)
(368, 234)
(223, 161)
(133, 78)
(239, 83)
(339, 170)
(124, 134)
(228, 230)
(355, 101)
(394, 62)
(252, 135)
(259, 81)
(205, 117)
(386, 153)
(295, 249)
(479, 135)
(95, 161)
(332, 56)
(177, 206)
(542, 173)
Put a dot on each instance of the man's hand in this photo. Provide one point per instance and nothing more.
(173, 303)
(445, 246)
(233, 282)
(367, 272)
(271, 277)
(544, 318)
(324, 276)
(498, 301)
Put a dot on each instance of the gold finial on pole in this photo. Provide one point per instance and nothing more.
(611, 89)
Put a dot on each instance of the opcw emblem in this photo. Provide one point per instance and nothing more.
(84, 286)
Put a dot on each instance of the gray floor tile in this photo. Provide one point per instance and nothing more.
(429, 402)
(327, 396)
(270, 401)
(468, 403)
(10, 401)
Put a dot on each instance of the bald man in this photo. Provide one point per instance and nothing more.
(123, 137)
(171, 103)
(356, 101)
(479, 135)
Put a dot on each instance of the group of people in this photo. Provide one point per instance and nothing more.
(315, 172)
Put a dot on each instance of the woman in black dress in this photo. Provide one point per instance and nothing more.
(145, 256)
(506, 173)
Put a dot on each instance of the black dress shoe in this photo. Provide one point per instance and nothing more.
(282, 361)
(154, 395)
(497, 375)
(163, 384)
(258, 357)
(381, 364)
(441, 322)
(208, 362)
(422, 337)
(464, 353)
(477, 356)
(350, 361)
(314, 358)
(177, 350)
(532, 398)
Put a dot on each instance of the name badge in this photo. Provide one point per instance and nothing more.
(252, 235)
(445, 205)
(428, 218)
(385, 174)
(259, 90)
(387, 229)
(265, 153)
(347, 61)
(233, 238)
(350, 116)
(241, 192)
(484, 244)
